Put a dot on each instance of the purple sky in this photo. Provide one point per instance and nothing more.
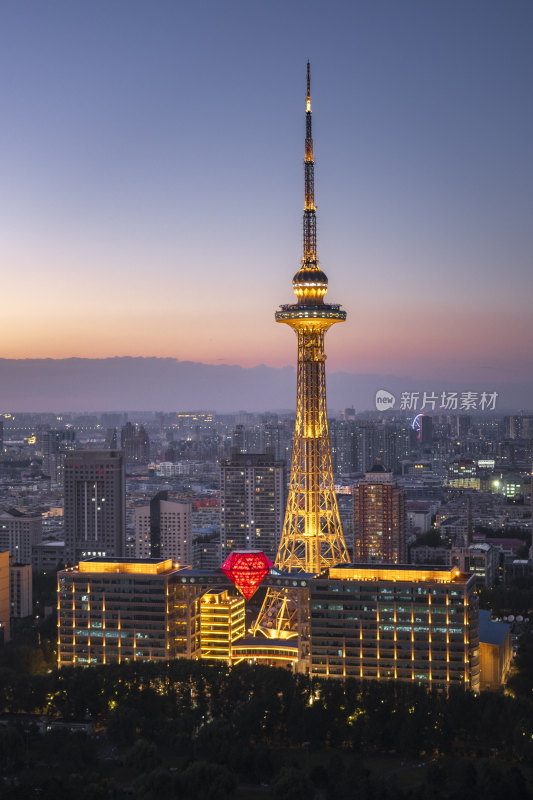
(152, 180)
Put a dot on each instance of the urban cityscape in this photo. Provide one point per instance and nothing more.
(326, 600)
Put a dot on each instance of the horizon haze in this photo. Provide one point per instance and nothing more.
(166, 384)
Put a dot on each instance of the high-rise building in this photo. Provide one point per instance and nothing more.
(238, 439)
(343, 440)
(252, 503)
(21, 590)
(367, 446)
(462, 426)
(276, 440)
(135, 443)
(163, 530)
(95, 504)
(206, 551)
(379, 518)
(114, 610)
(5, 599)
(389, 441)
(426, 431)
(312, 536)
(19, 532)
(111, 440)
(54, 445)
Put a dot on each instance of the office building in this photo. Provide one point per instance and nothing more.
(19, 532)
(95, 505)
(399, 623)
(21, 594)
(120, 610)
(252, 503)
(163, 530)
(379, 518)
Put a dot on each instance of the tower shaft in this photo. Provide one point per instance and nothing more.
(312, 537)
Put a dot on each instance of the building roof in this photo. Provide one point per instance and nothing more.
(485, 546)
(410, 573)
(491, 632)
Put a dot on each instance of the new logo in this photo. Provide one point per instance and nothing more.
(384, 400)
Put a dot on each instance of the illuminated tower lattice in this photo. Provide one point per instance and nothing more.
(312, 536)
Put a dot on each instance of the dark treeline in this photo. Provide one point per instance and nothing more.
(223, 727)
(515, 597)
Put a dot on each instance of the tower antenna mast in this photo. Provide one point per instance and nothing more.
(312, 537)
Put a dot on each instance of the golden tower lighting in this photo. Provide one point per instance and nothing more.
(312, 536)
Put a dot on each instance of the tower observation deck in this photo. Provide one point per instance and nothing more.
(312, 537)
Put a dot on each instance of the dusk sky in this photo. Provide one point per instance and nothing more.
(151, 161)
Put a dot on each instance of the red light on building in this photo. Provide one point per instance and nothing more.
(246, 569)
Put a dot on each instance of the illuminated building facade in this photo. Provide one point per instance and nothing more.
(462, 474)
(95, 504)
(395, 623)
(379, 518)
(221, 624)
(312, 537)
(252, 503)
(121, 610)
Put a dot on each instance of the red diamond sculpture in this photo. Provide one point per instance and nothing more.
(246, 569)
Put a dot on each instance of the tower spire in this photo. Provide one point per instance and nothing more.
(309, 255)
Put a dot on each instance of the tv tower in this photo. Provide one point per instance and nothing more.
(312, 536)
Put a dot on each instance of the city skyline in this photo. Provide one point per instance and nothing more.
(153, 177)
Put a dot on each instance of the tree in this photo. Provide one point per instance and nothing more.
(292, 784)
